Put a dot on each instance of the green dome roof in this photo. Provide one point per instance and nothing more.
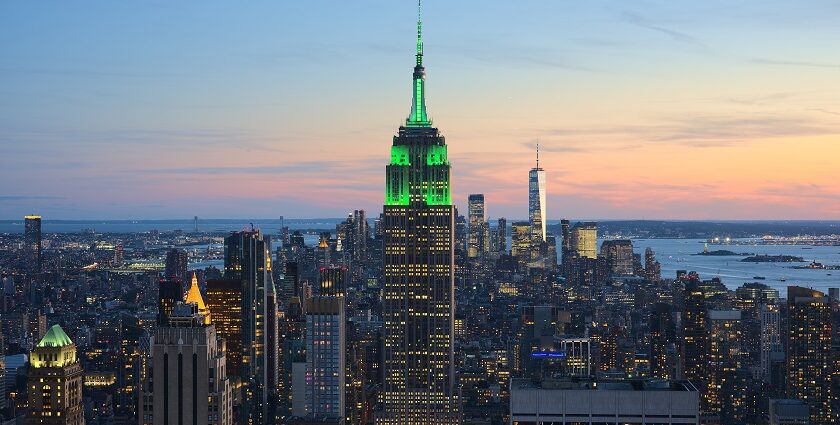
(55, 337)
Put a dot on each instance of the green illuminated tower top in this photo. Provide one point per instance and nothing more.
(418, 116)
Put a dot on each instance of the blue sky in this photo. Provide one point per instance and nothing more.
(644, 109)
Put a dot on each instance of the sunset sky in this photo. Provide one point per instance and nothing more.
(712, 109)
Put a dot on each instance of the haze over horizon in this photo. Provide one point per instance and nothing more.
(654, 110)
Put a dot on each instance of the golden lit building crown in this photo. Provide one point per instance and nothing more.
(194, 296)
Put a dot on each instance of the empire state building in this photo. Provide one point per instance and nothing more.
(418, 292)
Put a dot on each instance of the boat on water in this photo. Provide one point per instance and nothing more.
(782, 279)
(759, 277)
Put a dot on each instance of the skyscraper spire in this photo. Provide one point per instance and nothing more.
(538, 155)
(419, 33)
(418, 116)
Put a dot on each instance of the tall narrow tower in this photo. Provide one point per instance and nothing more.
(418, 293)
(32, 241)
(536, 202)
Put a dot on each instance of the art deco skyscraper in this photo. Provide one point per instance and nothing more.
(418, 293)
(186, 380)
(536, 202)
(55, 381)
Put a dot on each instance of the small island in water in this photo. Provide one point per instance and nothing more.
(773, 259)
(723, 253)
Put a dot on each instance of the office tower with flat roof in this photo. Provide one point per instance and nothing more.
(724, 394)
(477, 217)
(418, 304)
(578, 356)
(618, 254)
(501, 236)
(170, 291)
(186, 379)
(770, 339)
(325, 358)
(584, 240)
(248, 259)
(224, 301)
(55, 381)
(521, 242)
(333, 281)
(695, 341)
(566, 237)
(809, 351)
(176, 265)
(663, 342)
(536, 202)
(32, 242)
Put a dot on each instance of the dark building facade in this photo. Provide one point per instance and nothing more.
(809, 351)
(32, 241)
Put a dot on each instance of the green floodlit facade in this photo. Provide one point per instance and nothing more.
(418, 285)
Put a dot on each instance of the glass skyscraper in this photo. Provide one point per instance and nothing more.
(418, 292)
(248, 260)
(477, 217)
(536, 202)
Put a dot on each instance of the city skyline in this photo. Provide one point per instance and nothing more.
(657, 110)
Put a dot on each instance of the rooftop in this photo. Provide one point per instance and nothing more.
(55, 337)
(573, 383)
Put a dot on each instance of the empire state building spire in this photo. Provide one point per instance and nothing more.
(418, 116)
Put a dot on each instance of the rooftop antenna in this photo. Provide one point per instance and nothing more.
(538, 154)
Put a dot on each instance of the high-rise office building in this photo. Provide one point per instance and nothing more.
(663, 340)
(55, 381)
(578, 356)
(618, 254)
(333, 281)
(809, 351)
(186, 380)
(724, 396)
(248, 259)
(566, 236)
(584, 240)
(477, 217)
(126, 400)
(521, 241)
(695, 341)
(653, 270)
(176, 265)
(32, 242)
(170, 291)
(769, 337)
(418, 293)
(501, 236)
(536, 202)
(224, 301)
(325, 362)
